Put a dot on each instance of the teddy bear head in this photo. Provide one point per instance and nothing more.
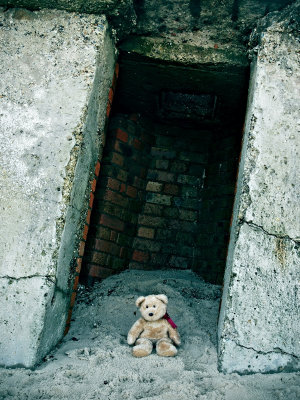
(152, 307)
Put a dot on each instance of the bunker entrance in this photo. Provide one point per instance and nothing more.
(166, 188)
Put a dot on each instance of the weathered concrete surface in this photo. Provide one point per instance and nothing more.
(259, 325)
(191, 21)
(56, 70)
(197, 52)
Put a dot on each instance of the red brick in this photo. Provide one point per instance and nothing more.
(78, 265)
(107, 247)
(117, 146)
(151, 221)
(123, 188)
(85, 232)
(153, 209)
(117, 159)
(122, 135)
(116, 198)
(92, 196)
(154, 186)
(140, 256)
(122, 175)
(81, 248)
(117, 69)
(113, 184)
(69, 317)
(146, 244)
(112, 222)
(102, 232)
(97, 168)
(88, 216)
(137, 144)
(171, 189)
(73, 297)
(108, 109)
(113, 236)
(76, 281)
(93, 184)
(146, 232)
(100, 272)
(99, 258)
(131, 191)
(111, 95)
(165, 176)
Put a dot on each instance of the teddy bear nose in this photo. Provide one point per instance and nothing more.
(150, 314)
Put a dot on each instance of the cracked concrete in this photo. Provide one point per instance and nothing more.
(259, 326)
(269, 233)
(56, 70)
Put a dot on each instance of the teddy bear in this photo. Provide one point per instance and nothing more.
(155, 327)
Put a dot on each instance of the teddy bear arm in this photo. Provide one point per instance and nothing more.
(135, 331)
(174, 335)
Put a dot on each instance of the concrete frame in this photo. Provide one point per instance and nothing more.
(262, 274)
(259, 324)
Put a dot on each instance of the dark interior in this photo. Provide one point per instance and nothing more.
(185, 127)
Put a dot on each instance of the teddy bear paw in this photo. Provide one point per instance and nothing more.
(143, 348)
(165, 348)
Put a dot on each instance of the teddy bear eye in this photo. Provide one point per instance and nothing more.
(146, 306)
(154, 306)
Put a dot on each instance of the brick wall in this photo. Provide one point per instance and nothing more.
(168, 224)
(118, 199)
(163, 200)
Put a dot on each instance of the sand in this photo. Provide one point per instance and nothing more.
(94, 361)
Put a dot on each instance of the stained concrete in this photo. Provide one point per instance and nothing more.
(56, 70)
(225, 21)
(259, 326)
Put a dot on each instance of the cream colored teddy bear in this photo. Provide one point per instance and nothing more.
(155, 326)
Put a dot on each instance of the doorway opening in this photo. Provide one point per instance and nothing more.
(166, 188)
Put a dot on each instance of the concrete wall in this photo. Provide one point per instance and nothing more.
(56, 70)
(259, 326)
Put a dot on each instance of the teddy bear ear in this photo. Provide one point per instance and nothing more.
(139, 301)
(162, 297)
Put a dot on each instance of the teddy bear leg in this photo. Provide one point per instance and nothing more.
(142, 348)
(165, 348)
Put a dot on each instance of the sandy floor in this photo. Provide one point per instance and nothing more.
(95, 362)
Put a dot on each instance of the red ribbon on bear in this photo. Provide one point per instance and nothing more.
(172, 323)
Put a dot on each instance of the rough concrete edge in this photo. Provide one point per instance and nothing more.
(88, 7)
(236, 221)
(261, 361)
(275, 21)
(93, 137)
(50, 284)
(163, 49)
